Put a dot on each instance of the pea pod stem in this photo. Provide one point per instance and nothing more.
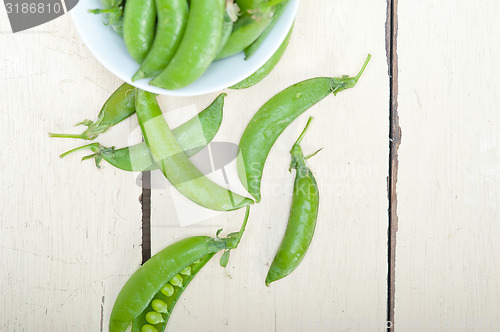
(79, 136)
(309, 156)
(94, 147)
(118, 107)
(102, 11)
(358, 76)
(274, 117)
(235, 238)
(303, 133)
(233, 243)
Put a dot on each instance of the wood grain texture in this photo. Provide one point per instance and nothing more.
(448, 254)
(341, 285)
(69, 233)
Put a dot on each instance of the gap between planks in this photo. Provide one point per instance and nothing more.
(145, 200)
(394, 142)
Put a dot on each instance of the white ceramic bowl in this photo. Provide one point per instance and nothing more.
(109, 49)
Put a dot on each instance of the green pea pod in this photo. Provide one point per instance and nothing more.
(266, 68)
(274, 116)
(192, 136)
(119, 106)
(172, 18)
(198, 47)
(175, 165)
(139, 21)
(303, 216)
(159, 283)
(250, 50)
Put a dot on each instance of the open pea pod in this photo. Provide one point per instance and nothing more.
(147, 299)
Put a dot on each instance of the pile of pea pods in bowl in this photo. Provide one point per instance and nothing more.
(148, 298)
(182, 49)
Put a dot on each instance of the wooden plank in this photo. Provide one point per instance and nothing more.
(448, 256)
(342, 282)
(70, 233)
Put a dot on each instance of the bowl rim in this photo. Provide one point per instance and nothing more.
(203, 85)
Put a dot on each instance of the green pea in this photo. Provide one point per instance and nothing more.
(159, 306)
(167, 290)
(177, 280)
(186, 271)
(154, 318)
(149, 328)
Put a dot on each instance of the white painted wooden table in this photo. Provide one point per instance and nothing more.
(71, 234)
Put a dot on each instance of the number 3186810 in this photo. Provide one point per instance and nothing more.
(32, 8)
